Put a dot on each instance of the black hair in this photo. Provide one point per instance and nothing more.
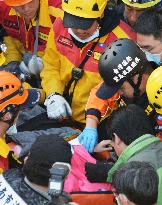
(138, 181)
(150, 23)
(129, 123)
(45, 151)
(150, 67)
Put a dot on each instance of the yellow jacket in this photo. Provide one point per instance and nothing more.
(20, 39)
(4, 148)
(4, 155)
(62, 55)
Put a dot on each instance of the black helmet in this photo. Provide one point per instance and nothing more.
(121, 60)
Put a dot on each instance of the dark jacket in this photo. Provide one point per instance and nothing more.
(15, 179)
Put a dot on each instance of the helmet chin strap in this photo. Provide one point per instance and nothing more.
(136, 87)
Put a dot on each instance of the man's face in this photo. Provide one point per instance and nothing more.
(118, 145)
(149, 43)
(117, 148)
(84, 34)
(126, 90)
(28, 11)
(132, 13)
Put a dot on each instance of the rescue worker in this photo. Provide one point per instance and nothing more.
(149, 34)
(132, 137)
(13, 98)
(133, 140)
(154, 94)
(130, 10)
(73, 50)
(27, 23)
(124, 69)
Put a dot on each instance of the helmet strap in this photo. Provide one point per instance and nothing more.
(99, 21)
(136, 87)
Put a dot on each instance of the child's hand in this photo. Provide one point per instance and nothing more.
(104, 145)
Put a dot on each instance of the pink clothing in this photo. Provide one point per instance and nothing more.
(76, 180)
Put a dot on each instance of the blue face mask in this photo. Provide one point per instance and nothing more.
(154, 57)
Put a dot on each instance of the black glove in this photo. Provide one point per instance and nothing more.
(97, 172)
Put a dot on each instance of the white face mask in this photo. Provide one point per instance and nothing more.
(93, 36)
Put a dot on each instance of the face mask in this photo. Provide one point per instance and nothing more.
(154, 57)
(12, 130)
(93, 36)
